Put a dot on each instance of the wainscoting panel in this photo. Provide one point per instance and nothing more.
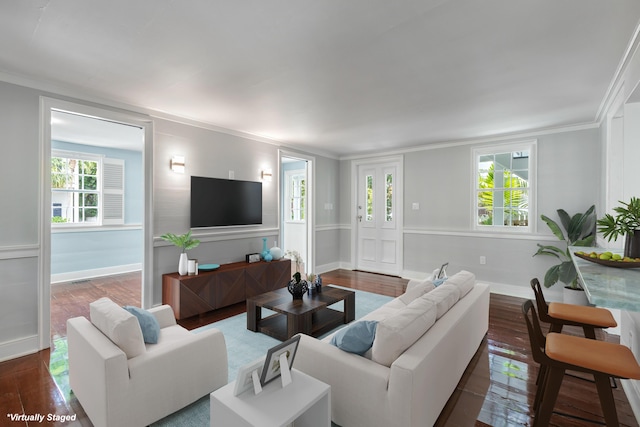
(19, 303)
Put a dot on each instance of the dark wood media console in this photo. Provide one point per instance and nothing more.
(228, 285)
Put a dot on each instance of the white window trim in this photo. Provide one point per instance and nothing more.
(527, 145)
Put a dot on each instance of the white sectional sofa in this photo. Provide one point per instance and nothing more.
(121, 381)
(424, 340)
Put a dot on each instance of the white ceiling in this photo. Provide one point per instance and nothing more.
(91, 131)
(341, 77)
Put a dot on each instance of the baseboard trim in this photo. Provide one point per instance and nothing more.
(632, 396)
(18, 348)
(96, 272)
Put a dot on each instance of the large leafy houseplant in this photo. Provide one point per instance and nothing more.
(577, 230)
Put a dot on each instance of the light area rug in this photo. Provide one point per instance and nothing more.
(244, 346)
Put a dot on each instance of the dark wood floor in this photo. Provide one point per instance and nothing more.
(497, 388)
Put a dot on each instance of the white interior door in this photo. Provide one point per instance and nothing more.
(379, 217)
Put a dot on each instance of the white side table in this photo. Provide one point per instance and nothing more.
(306, 401)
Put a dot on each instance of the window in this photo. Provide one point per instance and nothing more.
(504, 186)
(86, 189)
(296, 195)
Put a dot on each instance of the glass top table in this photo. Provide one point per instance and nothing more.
(608, 287)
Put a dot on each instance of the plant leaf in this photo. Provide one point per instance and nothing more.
(552, 275)
(555, 229)
(550, 250)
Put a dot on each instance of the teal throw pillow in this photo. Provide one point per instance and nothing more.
(356, 338)
(148, 323)
(438, 282)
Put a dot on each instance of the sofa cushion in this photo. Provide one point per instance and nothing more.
(148, 323)
(399, 331)
(118, 325)
(464, 280)
(416, 291)
(356, 338)
(443, 297)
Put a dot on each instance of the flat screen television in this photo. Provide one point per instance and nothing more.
(219, 202)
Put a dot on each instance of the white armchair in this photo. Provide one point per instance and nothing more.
(126, 384)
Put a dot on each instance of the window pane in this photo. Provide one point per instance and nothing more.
(90, 215)
(90, 199)
(369, 179)
(389, 197)
(90, 183)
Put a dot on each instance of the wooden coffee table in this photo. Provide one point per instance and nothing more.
(311, 315)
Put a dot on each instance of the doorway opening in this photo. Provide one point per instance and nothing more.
(296, 207)
(96, 212)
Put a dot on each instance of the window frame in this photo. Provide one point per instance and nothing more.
(289, 176)
(103, 189)
(499, 148)
(80, 156)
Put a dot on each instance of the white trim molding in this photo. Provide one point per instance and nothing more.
(18, 348)
(95, 272)
(16, 252)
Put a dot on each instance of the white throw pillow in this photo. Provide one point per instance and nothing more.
(464, 280)
(417, 291)
(398, 332)
(443, 297)
(118, 325)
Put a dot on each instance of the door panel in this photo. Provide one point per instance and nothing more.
(378, 241)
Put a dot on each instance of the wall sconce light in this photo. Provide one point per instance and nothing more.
(266, 175)
(177, 164)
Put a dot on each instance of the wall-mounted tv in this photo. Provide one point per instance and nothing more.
(222, 202)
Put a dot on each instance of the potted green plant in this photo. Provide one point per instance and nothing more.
(625, 223)
(184, 242)
(577, 230)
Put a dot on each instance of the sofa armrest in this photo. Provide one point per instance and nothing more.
(98, 369)
(164, 315)
(197, 362)
(348, 374)
(412, 283)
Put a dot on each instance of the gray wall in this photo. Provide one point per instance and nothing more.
(441, 181)
(19, 219)
(74, 250)
(213, 154)
(207, 152)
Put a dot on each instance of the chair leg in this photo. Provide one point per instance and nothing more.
(589, 332)
(603, 385)
(555, 327)
(542, 376)
(541, 373)
(552, 387)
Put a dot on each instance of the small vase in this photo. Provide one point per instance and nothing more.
(276, 252)
(265, 250)
(183, 264)
(632, 244)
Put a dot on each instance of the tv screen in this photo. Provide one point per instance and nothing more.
(221, 202)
